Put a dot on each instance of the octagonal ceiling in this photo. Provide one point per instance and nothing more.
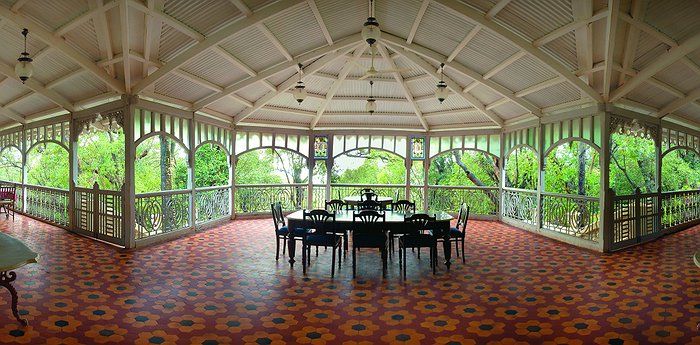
(505, 60)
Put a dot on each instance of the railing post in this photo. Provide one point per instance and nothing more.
(637, 215)
(95, 209)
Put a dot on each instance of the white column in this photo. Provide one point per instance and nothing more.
(128, 191)
(408, 162)
(311, 164)
(605, 233)
(191, 183)
(73, 173)
(540, 174)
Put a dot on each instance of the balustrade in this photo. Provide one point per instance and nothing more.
(47, 204)
(161, 212)
(481, 201)
(571, 215)
(99, 213)
(212, 203)
(520, 205)
(257, 198)
(340, 191)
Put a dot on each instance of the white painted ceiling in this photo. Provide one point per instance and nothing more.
(506, 61)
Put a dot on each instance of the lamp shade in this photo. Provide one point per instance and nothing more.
(299, 92)
(371, 105)
(441, 92)
(24, 68)
(371, 32)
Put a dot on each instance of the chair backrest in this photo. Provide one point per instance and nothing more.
(368, 196)
(8, 192)
(321, 220)
(367, 190)
(462, 218)
(335, 205)
(403, 206)
(277, 216)
(369, 205)
(417, 222)
(366, 217)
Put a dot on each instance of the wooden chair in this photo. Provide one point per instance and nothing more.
(323, 223)
(334, 206)
(8, 194)
(282, 231)
(414, 238)
(369, 205)
(459, 232)
(367, 190)
(366, 236)
(402, 206)
(369, 196)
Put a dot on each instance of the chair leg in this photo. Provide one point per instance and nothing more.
(340, 260)
(277, 251)
(333, 263)
(354, 253)
(284, 245)
(384, 260)
(404, 263)
(303, 258)
(464, 260)
(433, 258)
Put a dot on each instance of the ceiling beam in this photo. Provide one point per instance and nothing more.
(104, 42)
(637, 23)
(343, 43)
(152, 31)
(404, 88)
(577, 23)
(276, 42)
(290, 111)
(548, 61)
(679, 103)
(610, 40)
(38, 87)
(497, 103)
(452, 85)
(197, 80)
(377, 113)
(665, 87)
(19, 99)
(692, 65)
(242, 7)
(583, 9)
(638, 11)
(478, 78)
(12, 115)
(416, 22)
(310, 69)
(85, 17)
(240, 64)
(60, 45)
(497, 8)
(126, 63)
(167, 19)
(214, 39)
(349, 64)
(319, 20)
(537, 87)
(18, 5)
(663, 61)
(64, 78)
(507, 62)
(448, 112)
(475, 30)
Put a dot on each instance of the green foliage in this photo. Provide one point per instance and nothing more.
(417, 175)
(101, 159)
(11, 165)
(210, 166)
(522, 169)
(680, 170)
(267, 166)
(465, 168)
(320, 174)
(632, 165)
(161, 164)
(571, 163)
(47, 165)
(366, 166)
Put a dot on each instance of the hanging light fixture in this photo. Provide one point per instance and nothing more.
(23, 68)
(299, 90)
(370, 31)
(371, 105)
(441, 92)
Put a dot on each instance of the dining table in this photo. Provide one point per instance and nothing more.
(353, 200)
(13, 255)
(394, 220)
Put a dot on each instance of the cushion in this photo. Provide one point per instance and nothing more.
(283, 230)
(322, 240)
(413, 241)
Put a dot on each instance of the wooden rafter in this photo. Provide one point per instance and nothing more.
(167, 19)
(275, 41)
(336, 85)
(649, 30)
(215, 39)
(124, 17)
(103, 37)
(95, 11)
(663, 61)
(310, 69)
(478, 78)
(242, 7)
(610, 39)
(152, 29)
(577, 23)
(679, 103)
(59, 44)
(475, 30)
(507, 62)
(64, 78)
(12, 115)
(582, 10)
(416, 22)
(238, 63)
(259, 77)
(38, 87)
(404, 88)
(497, 8)
(321, 23)
(548, 61)
(452, 85)
(18, 5)
(638, 11)
(540, 86)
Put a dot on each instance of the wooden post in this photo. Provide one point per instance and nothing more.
(540, 174)
(95, 209)
(606, 228)
(311, 165)
(191, 182)
(72, 172)
(408, 162)
(128, 190)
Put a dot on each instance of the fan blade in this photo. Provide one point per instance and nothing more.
(365, 77)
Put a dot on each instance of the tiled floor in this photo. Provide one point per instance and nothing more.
(223, 286)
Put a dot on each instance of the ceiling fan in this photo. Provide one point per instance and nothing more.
(373, 72)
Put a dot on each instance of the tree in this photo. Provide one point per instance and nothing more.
(210, 166)
(47, 165)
